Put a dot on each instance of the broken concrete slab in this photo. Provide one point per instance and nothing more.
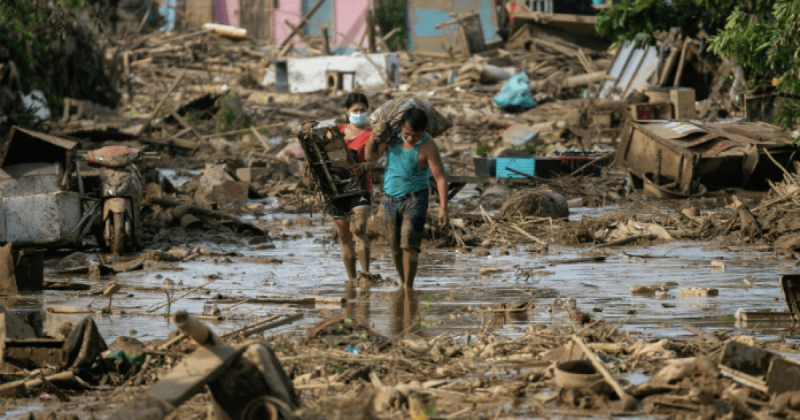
(217, 187)
(520, 135)
(12, 326)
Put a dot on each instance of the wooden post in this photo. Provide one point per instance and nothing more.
(297, 29)
(370, 31)
(326, 43)
(682, 61)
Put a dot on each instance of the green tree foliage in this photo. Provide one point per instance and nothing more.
(640, 19)
(390, 14)
(762, 35)
(52, 51)
(768, 46)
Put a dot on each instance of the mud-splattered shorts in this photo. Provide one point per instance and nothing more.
(343, 207)
(405, 220)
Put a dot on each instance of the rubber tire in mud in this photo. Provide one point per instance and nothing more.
(118, 236)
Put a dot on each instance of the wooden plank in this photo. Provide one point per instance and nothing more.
(199, 12)
(191, 375)
(161, 103)
(682, 62)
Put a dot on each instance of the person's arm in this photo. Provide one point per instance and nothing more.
(437, 170)
(375, 149)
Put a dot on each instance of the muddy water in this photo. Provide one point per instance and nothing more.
(449, 285)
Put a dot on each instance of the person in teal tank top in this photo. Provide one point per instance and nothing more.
(411, 159)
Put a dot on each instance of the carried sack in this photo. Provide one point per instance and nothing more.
(392, 111)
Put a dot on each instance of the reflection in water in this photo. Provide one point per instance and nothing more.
(403, 318)
(21, 301)
(513, 316)
(352, 294)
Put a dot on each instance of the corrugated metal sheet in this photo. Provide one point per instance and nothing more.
(631, 70)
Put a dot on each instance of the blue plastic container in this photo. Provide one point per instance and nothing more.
(524, 165)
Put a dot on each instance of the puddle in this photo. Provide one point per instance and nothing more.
(448, 285)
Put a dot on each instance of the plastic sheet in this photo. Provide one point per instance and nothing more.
(516, 93)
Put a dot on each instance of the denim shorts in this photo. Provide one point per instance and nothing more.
(405, 220)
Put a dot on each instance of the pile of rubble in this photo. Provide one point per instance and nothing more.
(344, 369)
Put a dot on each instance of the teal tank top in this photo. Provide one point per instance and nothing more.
(403, 175)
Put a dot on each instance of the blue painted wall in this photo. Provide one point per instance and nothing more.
(425, 21)
(424, 15)
(322, 16)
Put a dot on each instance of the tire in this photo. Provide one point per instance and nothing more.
(118, 234)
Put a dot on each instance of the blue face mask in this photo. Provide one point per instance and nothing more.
(358, 119)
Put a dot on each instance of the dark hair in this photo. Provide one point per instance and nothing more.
(416, 118)
(356, 98)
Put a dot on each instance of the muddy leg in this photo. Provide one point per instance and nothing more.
(360, 217)
(410, 262)
(397, 258)
(350, 294)
(348, 250)
(393, 236)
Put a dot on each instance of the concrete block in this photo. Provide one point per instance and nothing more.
(683, 103)
(60, 325)
(218, 187)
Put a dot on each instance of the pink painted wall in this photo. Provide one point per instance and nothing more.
(290, 10)
(349, 21)
(227, 12)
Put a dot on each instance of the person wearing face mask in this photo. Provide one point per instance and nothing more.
(355, 209)
(411, 158)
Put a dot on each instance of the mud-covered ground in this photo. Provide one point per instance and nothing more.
(460, 292)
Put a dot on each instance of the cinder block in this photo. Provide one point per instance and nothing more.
(683, 103)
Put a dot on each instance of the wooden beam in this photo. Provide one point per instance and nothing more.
(370, 32)
(164, 98)
(297, 29)
(326, 42)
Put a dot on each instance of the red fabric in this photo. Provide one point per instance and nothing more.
(510, 15)
(359, 144)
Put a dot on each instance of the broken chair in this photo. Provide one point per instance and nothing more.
(330, 160)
